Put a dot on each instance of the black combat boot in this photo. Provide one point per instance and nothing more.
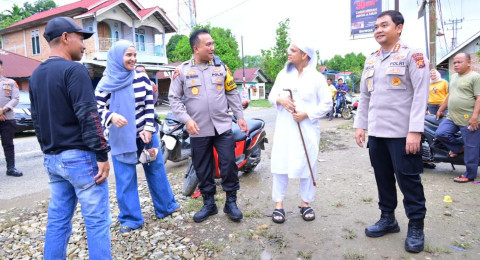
(11, 170)
(386, 224)
(415, 237)
(209, 208)
(231, 208)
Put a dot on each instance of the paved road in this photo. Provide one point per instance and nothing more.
(33, 186)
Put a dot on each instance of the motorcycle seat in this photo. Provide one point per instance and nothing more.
(253, 124)
(433, 120)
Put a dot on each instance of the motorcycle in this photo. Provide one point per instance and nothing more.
(174, 140)
(247, 153)
(346, 107)
(433, 151)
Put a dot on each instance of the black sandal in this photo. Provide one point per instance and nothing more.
(278, 213)
(307, 210)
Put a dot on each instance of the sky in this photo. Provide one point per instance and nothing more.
(325, 23)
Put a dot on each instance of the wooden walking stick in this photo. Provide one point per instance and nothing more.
(303, 142)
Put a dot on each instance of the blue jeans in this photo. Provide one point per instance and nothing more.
(339, 103)
(127, 188)
(444, 134)
(71, 179)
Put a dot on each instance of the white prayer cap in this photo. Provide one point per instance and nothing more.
(305, 46)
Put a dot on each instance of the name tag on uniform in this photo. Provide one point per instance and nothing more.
(369, 73)
(396, 70)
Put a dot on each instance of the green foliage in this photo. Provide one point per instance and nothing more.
(172, 43)
(252, 61)
(226, 47)
(9, 17)
(351, 62)
(275, 58)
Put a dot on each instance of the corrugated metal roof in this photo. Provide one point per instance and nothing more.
(17, 66)
(250, 74)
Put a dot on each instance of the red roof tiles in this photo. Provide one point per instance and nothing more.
(17, 66)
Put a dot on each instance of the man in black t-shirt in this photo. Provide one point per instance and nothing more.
(67, 126)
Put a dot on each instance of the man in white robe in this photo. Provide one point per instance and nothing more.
(311, 101)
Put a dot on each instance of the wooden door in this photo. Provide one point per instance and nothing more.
(104, 36)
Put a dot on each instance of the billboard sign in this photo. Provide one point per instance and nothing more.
(363, 15)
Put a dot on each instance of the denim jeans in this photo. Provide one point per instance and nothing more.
(444, 134)
(71, 180)
(127, 189)
(339, 103)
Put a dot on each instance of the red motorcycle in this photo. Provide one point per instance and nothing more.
(247, 153)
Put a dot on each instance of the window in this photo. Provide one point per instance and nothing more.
(35, 42)
(116, 36)
(140, 39)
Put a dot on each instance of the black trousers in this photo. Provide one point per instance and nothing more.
(204, 163)
(7, 131)
(390, 161)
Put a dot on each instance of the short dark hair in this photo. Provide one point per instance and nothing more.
(340, 79)
(1, 63)
(194, 36)
(396, 16)
(139, 66)
(464, 53)
(329, 79)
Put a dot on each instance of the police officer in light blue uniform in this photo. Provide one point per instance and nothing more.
(9, 98)
(394, 92)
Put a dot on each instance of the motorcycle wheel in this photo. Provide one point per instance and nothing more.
(164, 150)
(347, 113)
(253, 159)
(191, 180)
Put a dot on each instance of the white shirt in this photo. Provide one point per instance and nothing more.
(310, 95)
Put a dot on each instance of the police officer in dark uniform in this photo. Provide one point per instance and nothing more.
(394, 93)
(9, 98)
(209, 91)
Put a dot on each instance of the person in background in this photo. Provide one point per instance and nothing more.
(333, 90)
(9, 98)
(67, 126)
(342, 89)
(392, 107)
(438, 92)
(125, 103)
(463, 105)
(311, 100)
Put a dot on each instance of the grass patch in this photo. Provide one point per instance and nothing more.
(304, 255)
(260, 103)
(337, 205)
(277, 239)
(367, 199)
(464, 245)
(212, 246)
(350, 234)
(347, 126)
(194, 205)
(161, 116)
(435, 250)
(353, 255)
(252, 214)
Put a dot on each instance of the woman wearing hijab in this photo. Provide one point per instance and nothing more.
(311, 101)
(438, 92)
(125, 104)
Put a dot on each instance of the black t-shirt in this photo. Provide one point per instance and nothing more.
(64, 110)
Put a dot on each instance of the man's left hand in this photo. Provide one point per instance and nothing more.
(299, 116)
(413, 143)
(472, 124)
(243, 125)
(2, 118)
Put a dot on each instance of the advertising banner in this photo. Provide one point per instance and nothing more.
(364, 14)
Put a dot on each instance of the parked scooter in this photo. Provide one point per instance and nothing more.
(175, 140)
(247, 152)
(433, 151)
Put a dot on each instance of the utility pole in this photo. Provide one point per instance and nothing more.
(433, 31)
(193, 13)
(397, 5)
(455, 28)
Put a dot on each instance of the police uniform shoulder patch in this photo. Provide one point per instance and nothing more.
(229, 80)
(419, 60)
(176, 73)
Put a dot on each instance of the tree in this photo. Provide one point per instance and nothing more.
(252, 61)
(351, 62)
(275, 58)
(226, 47)
(9, 17)
(172, 43)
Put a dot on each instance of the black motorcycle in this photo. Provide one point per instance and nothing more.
(433, 151)
(174, 140)
(346, 108)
